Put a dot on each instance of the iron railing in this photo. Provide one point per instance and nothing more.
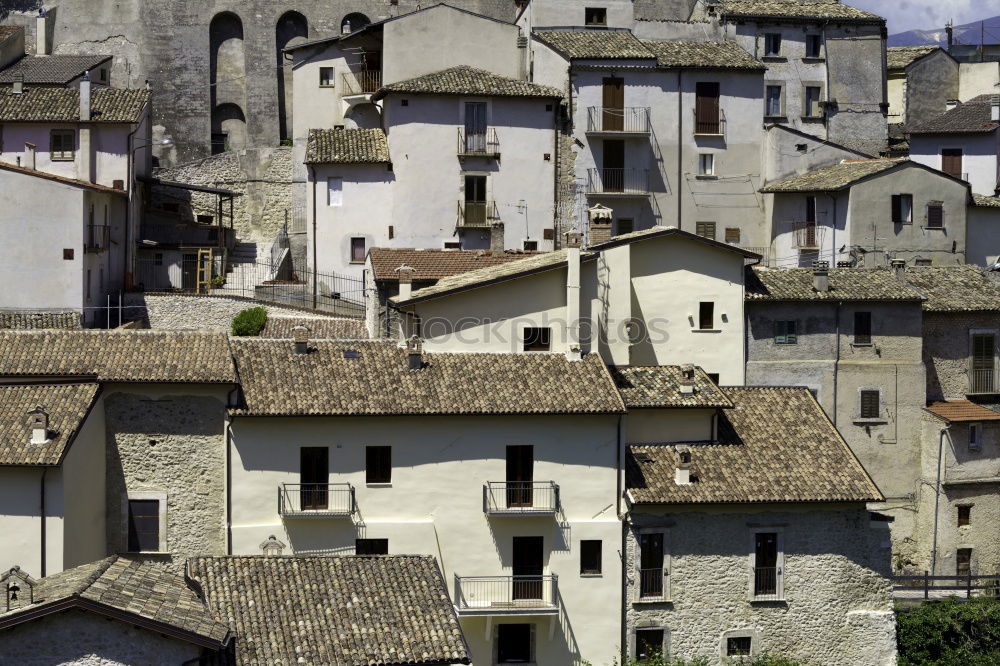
(618, 181)
(651, 583)
(765, 582)
(925, 587)
(484, 143)
(477, 213)
(485, 594)
(983, 380)
(520, 498)
(316, 499)
(98, 238)
(807, 235)
(627, 120)
(361, 82)
(716, 127)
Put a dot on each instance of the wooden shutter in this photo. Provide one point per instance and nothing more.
(314, 475)
(951, 162)
(935, 215)
(870, 404)
(613, 99)
(706, 107)
(143, 525)
(705, 229)
(378, 464)
(897, 208)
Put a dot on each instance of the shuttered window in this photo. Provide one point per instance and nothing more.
(590, 557)
(62, 144)
(870, 404)
(143, 526)
(935, 215)
(862, 328)
(733, 235)
(963, 562)
(705, 229)
(902, 208)
(785, 333)
(706, 109)
(378, 464)
(951, 162)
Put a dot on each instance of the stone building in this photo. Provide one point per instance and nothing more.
(921, 82)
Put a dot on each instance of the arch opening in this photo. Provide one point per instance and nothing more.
(291, 28)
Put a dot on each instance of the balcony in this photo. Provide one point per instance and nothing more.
(710, 126)
(477, 214)
(521, 498)
(507, 595)
(316, 500)
(361, 82)
(628, 121)
(983, 380)
(98, 238)
(807, 236)
(765, 583)
(618, 182)
(478, 144)
(652, 583)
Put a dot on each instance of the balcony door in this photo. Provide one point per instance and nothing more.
(475, 200)
(765, 564)
(314, 475)
(520, 475)
(951, 162)
(527, 563)
(613, 172)
(613, 111)
(706, 107)
(475, 127)
(983, 371)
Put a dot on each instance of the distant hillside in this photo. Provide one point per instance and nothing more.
(964, 34)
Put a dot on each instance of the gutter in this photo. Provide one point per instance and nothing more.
(937, 498)
(836, 363)
(680, 144)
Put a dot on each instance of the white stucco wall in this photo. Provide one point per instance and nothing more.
(21, 523)
(979, 156)
(109, 157)
(977, 78)
(83, 473)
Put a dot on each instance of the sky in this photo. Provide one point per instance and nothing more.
(903, 15)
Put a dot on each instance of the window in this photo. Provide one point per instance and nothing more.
(733, 235)
(651, 572)
(378, 464)
(530, 246)
(870, 408)
(706, 164)
(814, 46)
(951, 162)
(975, 436)
(326, 77)
(963, 562)
(706, 315)
(714, 376)
(314, 478)
(902, 208)
(706, 108)
(862, 328)
(810, 106)
(358, 250)
(595, 16)
(453, 245)
(738, 646)
(371, 546)
(536, 339)
(62, 144)
(810, 209)
(935, 215)
(515, 644)
(767, 573)
(705, 229)
(964, 515)
(334, 191)
(103, 75)
(625, 226)
(590, 557)
(649, 645)
(773, 102)
(983, 357)
(67, 254)
(772, 44)
(143, 525)
(785, 333)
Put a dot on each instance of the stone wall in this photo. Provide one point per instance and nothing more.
(84, 639)
(837, 607)
(192, 311)
(948, 350)
(173, 444)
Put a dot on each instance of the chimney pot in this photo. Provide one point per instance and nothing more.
(300, 336)
(18, 84)
(405, 281)
(414, 355)
(821, 276)
(951, 104)
(39, 420)
(682, 474)
(687, 379)
(85, 97)
(898, 267)
(29, 155)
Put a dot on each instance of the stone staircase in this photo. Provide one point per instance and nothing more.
(247, 268)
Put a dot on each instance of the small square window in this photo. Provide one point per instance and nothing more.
(404, 102)
(738, 646)
(902, 208)
(530, 246)
(964, 515)
(536, 339)
(453, 245)
(590, 557)
(649, 645)
(326, 77)
(772, 44)
(371, 546)
(357, 250)
(935, 215)
(706, 315)
(814, 46)
(733, 235)
(378, 464)
(706, 164)
(625, 226)
(68, 254)
(870, 407)
(705, 229)
(595, 16)
(785, 333)
(921, 262)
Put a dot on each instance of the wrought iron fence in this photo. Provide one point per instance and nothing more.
(361, 82)
(520, 497)
(316, 499)
(483, 142)
(507, 592)
(710, 127)
(618, 181)
(651, 583)
(808, 235)
(477, 213)
(765, 582)
(982, 381)
(924, 587)
(630, 119)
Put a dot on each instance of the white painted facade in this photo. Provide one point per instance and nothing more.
(980, 166)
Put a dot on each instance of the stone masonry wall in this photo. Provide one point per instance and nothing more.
(83, 639)
(186, 311)
(948, 350)
(174, 445)
(837, 609)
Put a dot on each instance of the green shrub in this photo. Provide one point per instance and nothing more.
(219, 281)
(250, 322)
(950, 633)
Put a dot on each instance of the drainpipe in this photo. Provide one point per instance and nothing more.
(315, 267)
(680, 144)
(623, 519)
(555, 175)
(937, 498)
(229, 474)
(42, 513)
(836, 364)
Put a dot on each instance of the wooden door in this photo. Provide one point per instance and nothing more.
(475, 200)
(520, 475)
(475, 127)
(613, 111)
(951, 162)
(314, 476)
(527, 567)
(613, 171)
(706, 107)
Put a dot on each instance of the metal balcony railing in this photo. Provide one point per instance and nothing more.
(711, 127)
(361, 82)
(765, 582)
(316, 499)
(807, 235)
(477, 213)
(483, 143)
(487, 595)
(98, 238)
(627, 120)
(983, 380)
(520, 498)
(618, 181)
(651, 583)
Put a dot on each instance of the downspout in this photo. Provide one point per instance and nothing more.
(569, 111)
(42, 513)
(937, 498)
(555, 175)
(623, 519)
(680, 144)
(128, 202)
(315, 266)
(836, 364)
(229, 475)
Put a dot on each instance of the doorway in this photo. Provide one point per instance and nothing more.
(527, 565)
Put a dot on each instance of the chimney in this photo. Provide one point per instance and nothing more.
(682, 475)
(272, 547)
(85, 167)
(29, 155)
(573, 351)
(600, 224)
(39, 425)
(405, 281)
(950, 104)
(300, 335)
(85, 97)
(497, 243)
(951, 35)
(821, 276)
(42, 33)
(686, 383)
(414, 357)
(898, 267)
(18, 84)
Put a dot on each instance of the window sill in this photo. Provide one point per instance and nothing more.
(773, 58)
(356, 262)
(327, 85)
(706, 176)
(933, 228)
(764, 601)
(591, 575)
(862, 344)
(62, 159)
(715, 134)
(652, 600)
(379, 484)
(879, 420)
(813, 59)
(706, 330)
(158, 553)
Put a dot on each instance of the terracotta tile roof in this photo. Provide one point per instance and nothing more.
(814, 9)
(834, 178)
(465, 80)
(366, 377)
(847, 284)
(775, 445)
(24, 320)
(67, 406)
(44, 175)
(51, 69)
(900, 57)
(972, 117)
(320, 328)
(62, 105)
(703, 55)
(383, 610)
(984, 201)
(436, 264)
(145, 592)
(955, 288)
(346, 146)
(659, 386)
(962, 410)
(594, 44)
(119, 355)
